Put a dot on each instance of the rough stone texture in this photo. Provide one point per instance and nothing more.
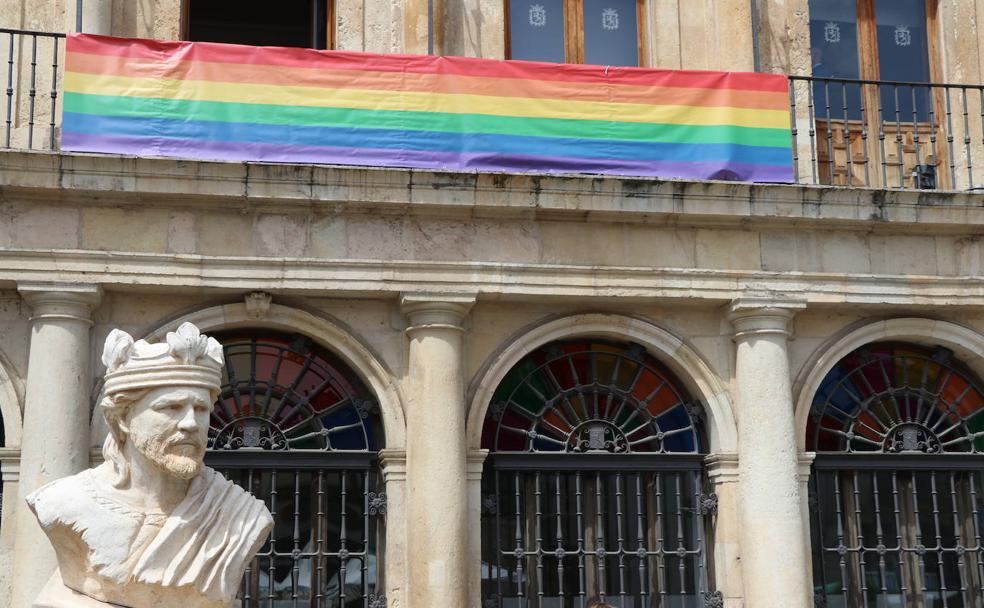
(784, 36)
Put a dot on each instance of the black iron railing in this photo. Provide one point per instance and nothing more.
(328, 515)
(887, 134)
(895, 531)
(33, 80)
(567, 529)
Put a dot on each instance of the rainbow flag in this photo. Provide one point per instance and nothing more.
(210, 101)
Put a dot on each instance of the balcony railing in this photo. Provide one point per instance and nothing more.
(895, 135)
(888, 134)
(33, 80)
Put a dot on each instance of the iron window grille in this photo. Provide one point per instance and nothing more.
(297, 428)
(594, 489)
(897, 491)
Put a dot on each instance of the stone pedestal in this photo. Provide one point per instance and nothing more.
(437, 489)
(774, 549)
(56, 416)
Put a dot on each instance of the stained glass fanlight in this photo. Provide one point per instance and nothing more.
(591, 396)
(284, 392)
(898, 398)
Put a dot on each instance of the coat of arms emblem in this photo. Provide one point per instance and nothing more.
(538, 15)
(609, 19)
(903, 36)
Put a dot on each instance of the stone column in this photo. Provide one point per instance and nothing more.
(9, 477)
(394, 563)
(774, 554)
(722, 473)
(476, 462)
(437, 490)
(56, 416)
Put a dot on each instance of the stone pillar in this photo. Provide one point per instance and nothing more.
(722, 473)
(394, 564)
(56, 416)
(476, 462)
(774, 550)
(805, 469)
(9, 477)
(437, 489)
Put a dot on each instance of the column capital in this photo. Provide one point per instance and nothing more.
(61, 301)
(10, 464)
(436, 311)
(759, 315)
(393, 464)
(721, 468)
(476, 462)
(804, 465)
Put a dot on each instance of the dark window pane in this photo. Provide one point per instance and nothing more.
(611, 32)
(297, 23)
(903, 54)
(834, 34)
(536, 30)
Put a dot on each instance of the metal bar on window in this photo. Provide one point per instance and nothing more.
(949, 136)
(967, 141)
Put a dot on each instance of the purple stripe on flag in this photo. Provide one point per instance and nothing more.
(422, 159)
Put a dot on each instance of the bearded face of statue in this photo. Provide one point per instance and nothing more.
(169, 427)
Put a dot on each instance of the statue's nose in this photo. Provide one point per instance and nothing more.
(188, 422)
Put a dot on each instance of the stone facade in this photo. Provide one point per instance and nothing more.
(432, 285)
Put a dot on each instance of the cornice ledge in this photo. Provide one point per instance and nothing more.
(44, 290)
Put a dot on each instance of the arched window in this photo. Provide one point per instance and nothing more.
(296, 426)
(897, 491)
(593, 488)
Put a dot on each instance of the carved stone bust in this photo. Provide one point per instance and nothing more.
(152, 526)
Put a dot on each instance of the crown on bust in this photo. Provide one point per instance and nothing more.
(187, 358)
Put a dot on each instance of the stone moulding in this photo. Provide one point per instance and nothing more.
(393, 277)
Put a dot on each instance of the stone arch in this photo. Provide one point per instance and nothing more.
(692, 370)
(966, 343)
(10, 405)
(325, 332)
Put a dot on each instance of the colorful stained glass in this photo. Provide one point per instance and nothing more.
(283, 392)
(898, 398)
(591, 396)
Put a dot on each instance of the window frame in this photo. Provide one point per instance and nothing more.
(184, 31)
(360, 554)
(898, 556)
(523, 488)
(871, 98)
(574, 31)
